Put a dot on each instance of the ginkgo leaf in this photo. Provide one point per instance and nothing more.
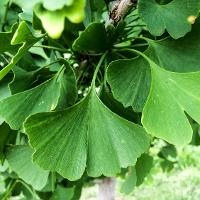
(42, 98)
(53, 21)
(93, 38)
(171, 95)
(174, 16)
(24, 37)
(163, 114)
(85, 136)
(20, 161)
(134, 77)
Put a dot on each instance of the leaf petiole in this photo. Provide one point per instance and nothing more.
(97, 68)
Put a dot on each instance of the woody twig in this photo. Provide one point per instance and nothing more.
(120, 9)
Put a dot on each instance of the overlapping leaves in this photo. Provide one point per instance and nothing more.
(44, 97)
(162, 83)
(23, 39)
(93, 138)
(171, 93)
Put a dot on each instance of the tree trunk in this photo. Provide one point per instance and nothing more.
(107, 189)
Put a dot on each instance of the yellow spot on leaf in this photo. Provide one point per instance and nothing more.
(191, 19)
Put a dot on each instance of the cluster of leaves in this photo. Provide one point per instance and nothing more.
(82, 97)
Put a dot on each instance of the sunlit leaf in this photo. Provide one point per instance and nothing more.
(86, 136)
(171, 95)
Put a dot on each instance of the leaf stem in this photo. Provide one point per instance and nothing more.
(5, 197)
(120, 55)
(28, 188)
(97, 68)
(143, 55)
(48, 65)
(53, 176)
(53, 48)
(105, 73)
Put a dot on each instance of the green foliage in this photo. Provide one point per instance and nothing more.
(19, 159)
(172, 16)
(84, 93)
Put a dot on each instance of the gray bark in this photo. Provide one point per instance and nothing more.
(107, 189)
(120, 8)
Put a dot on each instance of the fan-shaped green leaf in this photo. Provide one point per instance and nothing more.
(87, 135)
(93, 38)
(173, 16)
(163, 115)
(42, 98)
(171, 95)
(53, 21)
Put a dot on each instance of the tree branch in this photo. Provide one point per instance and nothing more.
(120, 8)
